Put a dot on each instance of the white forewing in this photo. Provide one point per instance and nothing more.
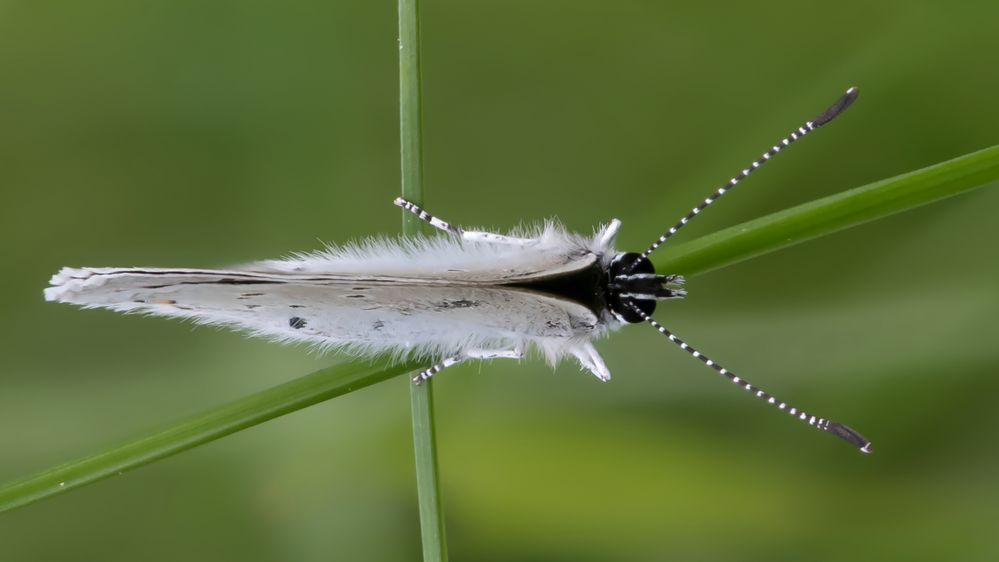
(361, 316)
(553, 252)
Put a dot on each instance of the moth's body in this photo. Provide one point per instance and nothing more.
(465, 295)
(430, 298)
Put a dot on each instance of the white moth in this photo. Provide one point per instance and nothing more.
(465, 295)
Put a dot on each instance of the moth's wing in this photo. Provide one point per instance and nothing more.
(521, 268)
(441, 260)
(365, 314)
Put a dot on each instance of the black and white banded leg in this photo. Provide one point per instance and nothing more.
(837, 429)
(469, 235)
(515, 353)
(826, 116)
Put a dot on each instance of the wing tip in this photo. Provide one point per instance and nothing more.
(65, 282)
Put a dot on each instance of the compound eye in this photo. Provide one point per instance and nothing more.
(623, 307)
(630, 263)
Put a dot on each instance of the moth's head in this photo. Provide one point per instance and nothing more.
(632, 282)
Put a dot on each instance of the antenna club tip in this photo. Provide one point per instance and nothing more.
(840, 105)
(850, 435)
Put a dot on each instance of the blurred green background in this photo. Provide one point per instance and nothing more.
(205, 133)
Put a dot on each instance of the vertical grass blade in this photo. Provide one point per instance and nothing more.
(421, 397)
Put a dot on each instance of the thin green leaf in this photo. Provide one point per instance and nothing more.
(729, 246)
(200, 429)
(421, 397)
(830, 214)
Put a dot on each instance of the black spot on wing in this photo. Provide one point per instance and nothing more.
(296, 322)
(459, 303)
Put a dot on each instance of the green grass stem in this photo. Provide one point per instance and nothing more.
(421, 397)
(830, 214)
(200, 429)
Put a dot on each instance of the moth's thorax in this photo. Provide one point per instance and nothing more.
(587, 287)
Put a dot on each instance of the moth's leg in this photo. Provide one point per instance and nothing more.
(478, 236)
(427, 217)
(470, 235)
(605, 237)
(590, 360)
(515, 353)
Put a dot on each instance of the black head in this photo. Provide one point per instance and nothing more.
(632, 283)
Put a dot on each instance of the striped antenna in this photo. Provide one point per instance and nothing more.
(837, 429)
(826, 116)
